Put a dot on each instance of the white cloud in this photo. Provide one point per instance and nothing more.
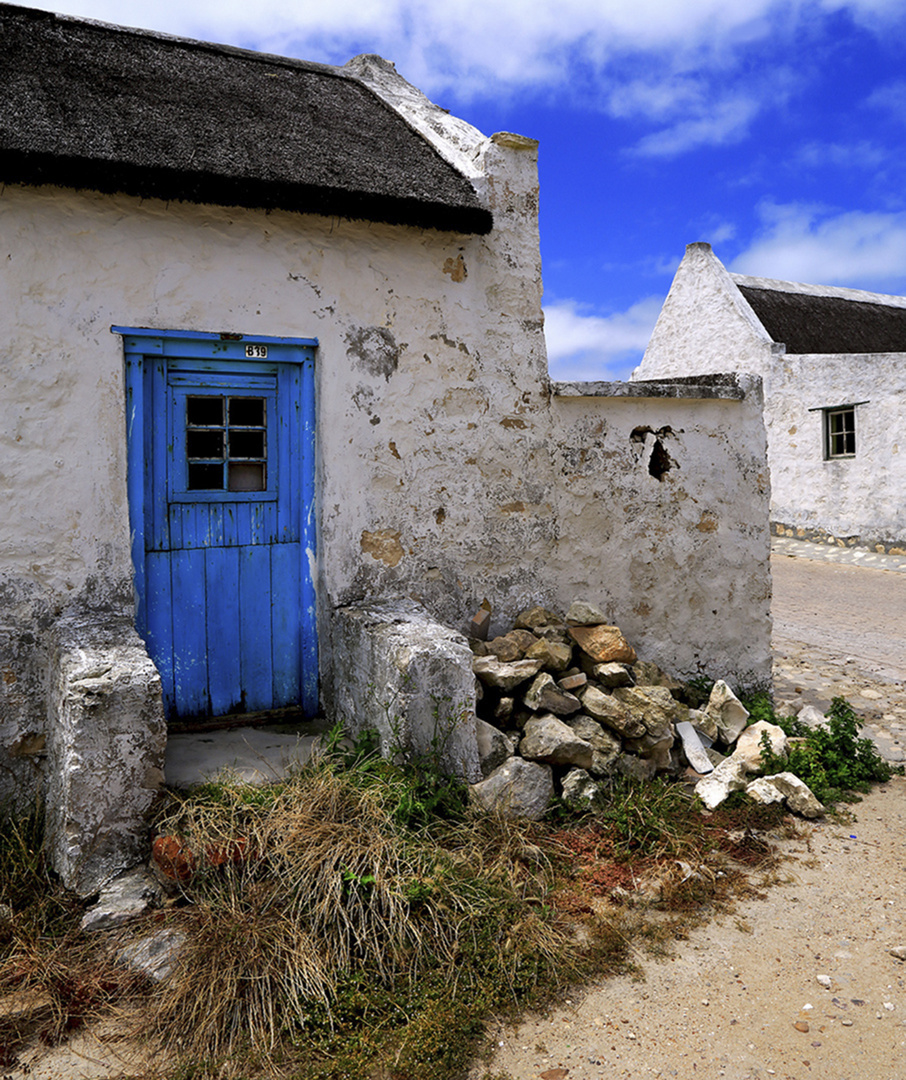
(802, 243)
(723, 122)
(582, 345)
(861, 155)
(462, 47)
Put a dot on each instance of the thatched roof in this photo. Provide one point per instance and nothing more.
(87, 105)
(809, 323)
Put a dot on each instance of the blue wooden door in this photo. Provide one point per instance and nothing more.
(221, 480)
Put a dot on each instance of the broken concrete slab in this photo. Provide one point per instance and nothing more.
(693, 748)
(105, 747)
(400, 672)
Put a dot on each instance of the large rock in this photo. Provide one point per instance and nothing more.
(594, 733)
(611, 675)
(549, 740)
(647, 673)
(545, 696)
(727, 712)
(610, 712)
(536, 616)
(554, 655)
(517, 789)
(811, 716)
(748, 746)
(656, 748)
(581, 613)
(797, 795)
(607, 746)
(128, 895)
(636, 768)
(505, 649)
(580, 791)
(652, 706)
(604, 644)
(493, 747)
(705, 725)
(155, 955)
(493, 672)
(729, 776)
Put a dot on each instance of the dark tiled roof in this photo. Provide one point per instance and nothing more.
(87, 105)
(827, 324)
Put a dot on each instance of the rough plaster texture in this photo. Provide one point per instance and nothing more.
(401, 673)
(706, 325)
(680, 563)
(446, 471)
(106, 742)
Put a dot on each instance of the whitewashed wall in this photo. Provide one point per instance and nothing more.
(680, 563)
(862, 496)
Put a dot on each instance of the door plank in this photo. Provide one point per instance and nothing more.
(159, 619)
(255, 626)
(287, 632)
(190, 682)
(221, 569)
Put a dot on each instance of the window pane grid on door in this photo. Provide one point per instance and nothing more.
(226, 443)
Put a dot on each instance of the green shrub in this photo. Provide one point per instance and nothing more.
(831, 758)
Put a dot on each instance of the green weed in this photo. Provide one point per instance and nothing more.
(831, 758)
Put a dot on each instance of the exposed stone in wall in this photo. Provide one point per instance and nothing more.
(884, 546)
(106, 738)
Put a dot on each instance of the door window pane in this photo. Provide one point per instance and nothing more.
(226, 443)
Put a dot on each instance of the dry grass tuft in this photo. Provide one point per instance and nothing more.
(294, 887)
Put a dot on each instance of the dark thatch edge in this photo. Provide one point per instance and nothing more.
(207, 188)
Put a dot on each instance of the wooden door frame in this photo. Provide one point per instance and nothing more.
(142, 344)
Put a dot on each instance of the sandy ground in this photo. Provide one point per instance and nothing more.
(724, 1007)
(741, 1000)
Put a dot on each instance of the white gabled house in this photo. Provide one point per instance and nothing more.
(833, 366)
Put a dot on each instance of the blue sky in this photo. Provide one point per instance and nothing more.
(776, 131)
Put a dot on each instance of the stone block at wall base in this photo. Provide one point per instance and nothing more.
(396, 670)
(106, 737)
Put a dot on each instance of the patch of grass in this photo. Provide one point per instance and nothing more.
(56, 977)
(345, 923)
(332, 916)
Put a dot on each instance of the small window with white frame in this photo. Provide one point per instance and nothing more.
(839, 432)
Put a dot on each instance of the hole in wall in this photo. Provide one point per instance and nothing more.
(660, 462)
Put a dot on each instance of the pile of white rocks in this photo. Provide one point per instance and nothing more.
(564, 705)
